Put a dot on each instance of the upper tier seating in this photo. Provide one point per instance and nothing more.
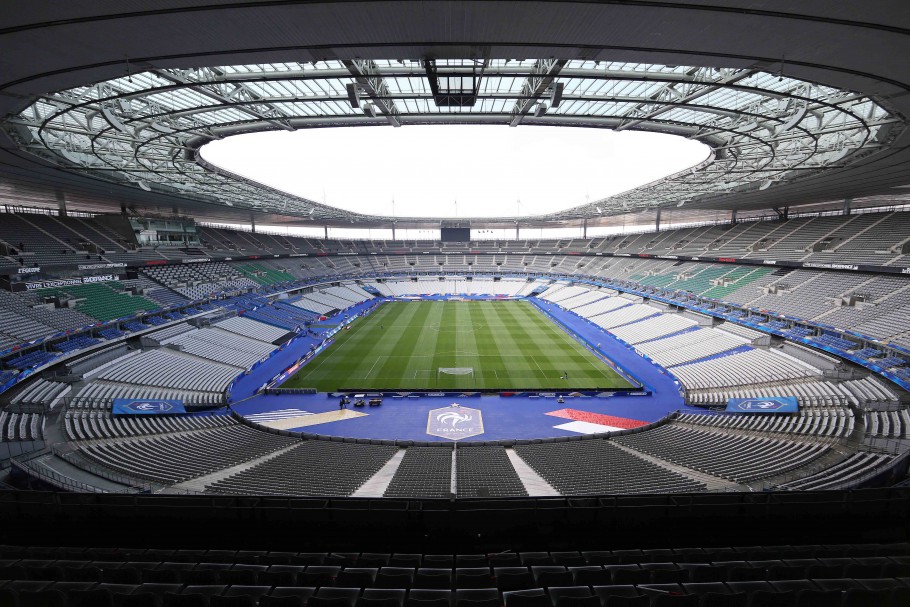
(103, 301)
(26, 317)
(263, 274)
(200, 280)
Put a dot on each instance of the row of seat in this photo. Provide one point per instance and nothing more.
(842, 592)
(572, 558)
(503, 579)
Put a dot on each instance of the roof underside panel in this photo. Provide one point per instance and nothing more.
(800, 102)
(144, 129)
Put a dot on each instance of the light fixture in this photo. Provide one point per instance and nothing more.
(353, 94)
(556, 94)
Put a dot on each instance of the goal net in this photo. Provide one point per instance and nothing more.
(454, 371)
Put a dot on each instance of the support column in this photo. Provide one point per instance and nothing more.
(657, 221)
(393, 230)
(516, 230)
(584, 229)
(326, 232)
(253, 222)
(123, 208)
(734, 215)
(848, 202)
(61, 202)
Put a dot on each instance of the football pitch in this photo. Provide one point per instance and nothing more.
(456, 345)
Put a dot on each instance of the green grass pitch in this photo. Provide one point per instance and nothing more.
(509, 345)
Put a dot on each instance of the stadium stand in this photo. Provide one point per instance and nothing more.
(835, 422)
(21, 426)
(853, 574)
(741, 459)
(102, 301)
(486, 472)
(309, 468)
(264, 275)
(169, 370)
(199, 281)
(597, 466)
(714, 363)
(252, 328)
(222, 346)
(100, 425)
(843, 474)
(41, 392)
(423, 472)
(26, 318)
(177, 457)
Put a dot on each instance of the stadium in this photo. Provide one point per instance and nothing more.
(215, 391)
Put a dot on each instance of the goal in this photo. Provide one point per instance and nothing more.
(457, 371)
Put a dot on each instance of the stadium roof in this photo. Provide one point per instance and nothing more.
(798, 107)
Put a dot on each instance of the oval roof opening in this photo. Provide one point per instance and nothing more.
(455, 170)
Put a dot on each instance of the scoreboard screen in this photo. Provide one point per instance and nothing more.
(456, 234)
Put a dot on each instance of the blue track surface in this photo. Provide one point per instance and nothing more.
(504, 417)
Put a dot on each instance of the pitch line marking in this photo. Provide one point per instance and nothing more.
(542, 374)
(370, 372)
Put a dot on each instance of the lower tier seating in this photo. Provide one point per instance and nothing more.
(178, 457)
(844, 575)
(739, 458)
(423, 472)
(598, 467)
(310, 468)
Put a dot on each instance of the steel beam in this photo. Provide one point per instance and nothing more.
(542, 76)
(366, 74)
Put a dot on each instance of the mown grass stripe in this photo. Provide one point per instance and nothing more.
(510, 346)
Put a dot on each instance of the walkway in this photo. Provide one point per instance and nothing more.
(377, 484)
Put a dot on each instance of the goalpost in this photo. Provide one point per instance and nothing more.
(469, 371)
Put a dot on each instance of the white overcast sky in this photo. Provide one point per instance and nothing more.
(426, 169)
